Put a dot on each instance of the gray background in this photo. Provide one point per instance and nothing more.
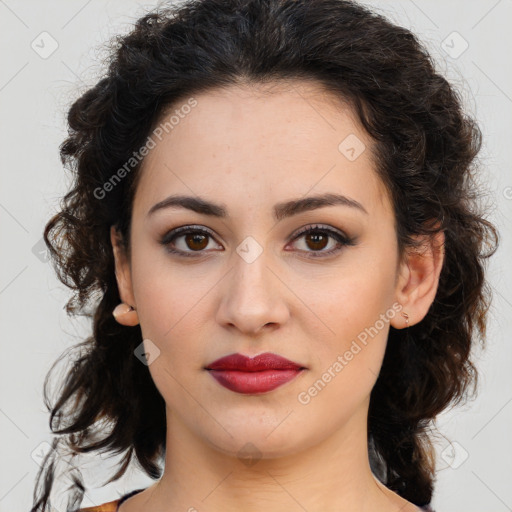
(470, 41)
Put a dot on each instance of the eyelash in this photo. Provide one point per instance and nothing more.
(176, 233)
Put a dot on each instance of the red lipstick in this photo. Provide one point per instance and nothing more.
(260, 374)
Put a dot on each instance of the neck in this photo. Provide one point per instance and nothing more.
(331, 475)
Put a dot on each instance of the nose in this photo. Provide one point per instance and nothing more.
(253, 298)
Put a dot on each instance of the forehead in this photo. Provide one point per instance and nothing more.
(274, 140)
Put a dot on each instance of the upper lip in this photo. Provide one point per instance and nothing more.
(266, 361)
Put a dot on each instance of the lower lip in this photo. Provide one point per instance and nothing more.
(253, 382)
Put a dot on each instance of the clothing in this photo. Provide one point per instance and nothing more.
(112, 506)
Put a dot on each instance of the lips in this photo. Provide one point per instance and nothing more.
(260, 374)
(266, 361)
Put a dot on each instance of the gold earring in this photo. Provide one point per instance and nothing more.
(406, 316)
(126, 314)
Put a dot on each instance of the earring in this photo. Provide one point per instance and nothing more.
(126, 314)
(406, 316)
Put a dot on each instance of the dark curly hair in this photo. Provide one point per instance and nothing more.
(424, 147)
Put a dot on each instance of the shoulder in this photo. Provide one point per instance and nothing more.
(111, 506)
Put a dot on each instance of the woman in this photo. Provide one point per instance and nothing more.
(273, 201)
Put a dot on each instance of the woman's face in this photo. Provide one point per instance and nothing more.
(242, 278)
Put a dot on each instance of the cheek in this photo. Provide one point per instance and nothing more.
(168, 316)
(166, 310)
(167, 294)
(352, 319)
(346, 363)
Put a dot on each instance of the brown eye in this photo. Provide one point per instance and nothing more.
(317, 241)
(194, 240)
(317, 238)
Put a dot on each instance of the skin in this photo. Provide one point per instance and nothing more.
(249, 149)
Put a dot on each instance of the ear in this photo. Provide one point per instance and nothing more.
(123, 314)
(419, 279)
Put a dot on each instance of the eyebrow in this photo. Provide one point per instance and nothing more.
(281, 210)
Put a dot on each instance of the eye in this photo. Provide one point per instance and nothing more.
(194, 238)
(317, 238)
